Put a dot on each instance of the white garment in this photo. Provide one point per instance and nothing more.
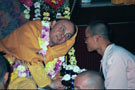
(118, 66)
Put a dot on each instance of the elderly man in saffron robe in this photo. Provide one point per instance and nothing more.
(23, 45)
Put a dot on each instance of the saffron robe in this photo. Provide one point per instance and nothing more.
(22, 83)
(23, 44)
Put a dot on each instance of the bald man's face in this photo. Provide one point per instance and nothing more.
(81, 83)
(61, 31)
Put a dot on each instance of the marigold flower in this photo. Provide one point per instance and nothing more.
(46, 14)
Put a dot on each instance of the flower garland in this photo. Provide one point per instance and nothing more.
(70, 70)
(19, 70)
(46, 10)
(44, 38)
(53, 67)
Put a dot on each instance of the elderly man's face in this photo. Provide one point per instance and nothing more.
(61, 32)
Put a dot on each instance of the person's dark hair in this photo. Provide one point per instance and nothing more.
(74, 25)
(4, 66)
(99, 27)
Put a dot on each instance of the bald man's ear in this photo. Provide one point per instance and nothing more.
(53, 23)
(96, 38)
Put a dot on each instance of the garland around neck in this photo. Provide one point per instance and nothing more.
(54, 66)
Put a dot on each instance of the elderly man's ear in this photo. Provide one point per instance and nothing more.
(53, 23)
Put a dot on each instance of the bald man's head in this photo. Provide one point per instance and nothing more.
(89, 80)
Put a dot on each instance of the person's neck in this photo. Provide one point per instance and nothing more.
(103, 47)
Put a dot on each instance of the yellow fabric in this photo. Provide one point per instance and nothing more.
(117, 1)
(22, 83)
(129, 1)
(39, 75)
(123, 1)
(22, 43)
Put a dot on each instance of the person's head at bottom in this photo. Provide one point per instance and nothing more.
(89, 80)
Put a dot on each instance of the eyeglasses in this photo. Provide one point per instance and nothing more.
(67, 35)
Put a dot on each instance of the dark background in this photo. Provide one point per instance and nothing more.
(121, 19)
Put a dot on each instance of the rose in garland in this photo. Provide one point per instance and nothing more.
(54, 3)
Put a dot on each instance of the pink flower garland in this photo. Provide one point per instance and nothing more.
(18, 66)
(45, 37)
(57, 68)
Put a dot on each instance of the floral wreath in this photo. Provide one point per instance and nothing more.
(47, 10)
